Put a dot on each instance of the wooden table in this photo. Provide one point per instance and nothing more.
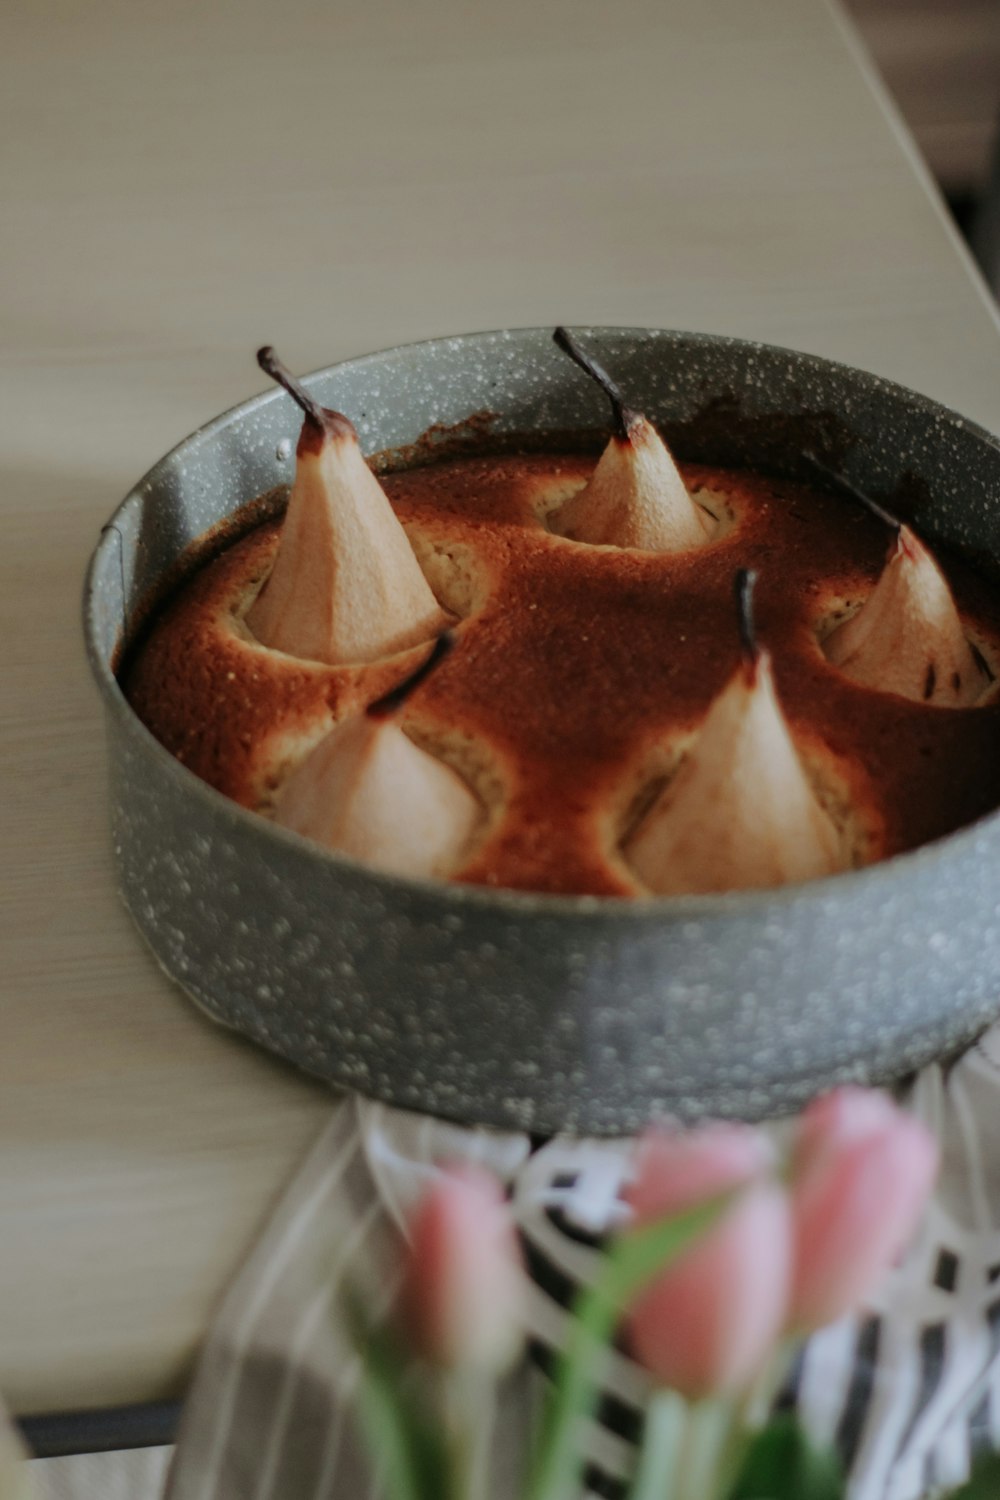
(184, 182)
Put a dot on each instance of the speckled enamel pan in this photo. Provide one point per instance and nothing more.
(548, 1012)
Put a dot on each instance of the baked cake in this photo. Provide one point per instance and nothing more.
(621, 712)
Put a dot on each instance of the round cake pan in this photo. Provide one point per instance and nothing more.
(543, 1012)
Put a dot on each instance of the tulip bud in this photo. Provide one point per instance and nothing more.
(862, 1170)
(708, 1324)
(463, 1283)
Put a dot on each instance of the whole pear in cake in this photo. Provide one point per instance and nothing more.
(907, 637)
(368, 791)
(741, 811)
(345, 585)
(635, 496)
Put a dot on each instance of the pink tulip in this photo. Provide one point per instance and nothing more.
(861, 1173)
(708, 1323)
(463, 1287)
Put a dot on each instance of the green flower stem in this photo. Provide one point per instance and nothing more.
(468, 1402)
(690, 1450)
(703, 1450)
(736, 1445)
(399, 1425)
(633, 1261)
(749, 1415)
(657, 1471)
(765, 1390)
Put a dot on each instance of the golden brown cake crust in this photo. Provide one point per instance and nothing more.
(581, 672)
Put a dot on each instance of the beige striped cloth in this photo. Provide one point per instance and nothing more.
(908, 1392)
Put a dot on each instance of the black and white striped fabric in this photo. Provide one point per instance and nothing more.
(908, 1393)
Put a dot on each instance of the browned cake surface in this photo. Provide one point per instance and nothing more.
(580, 673)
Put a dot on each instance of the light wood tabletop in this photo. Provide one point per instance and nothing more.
(184, 182)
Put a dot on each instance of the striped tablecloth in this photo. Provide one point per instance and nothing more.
(908, 1392)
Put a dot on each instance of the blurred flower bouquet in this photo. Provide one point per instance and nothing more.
(729, 1257)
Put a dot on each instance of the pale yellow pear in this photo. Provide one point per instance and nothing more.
(345, 585)
(741, 811)
(635, 498)
(368, 791)
(908, 637)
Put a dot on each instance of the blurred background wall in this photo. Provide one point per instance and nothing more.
(941, 60)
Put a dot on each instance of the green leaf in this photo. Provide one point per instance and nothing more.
(402, 1435)
(783, 1464)
(631, 1262)
(985, 1481)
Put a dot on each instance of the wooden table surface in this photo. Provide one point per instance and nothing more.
(180, 184)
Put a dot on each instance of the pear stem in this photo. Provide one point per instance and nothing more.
(272, 365)
(743, 587)
(879, 511)
(623, 416)
(392, 701)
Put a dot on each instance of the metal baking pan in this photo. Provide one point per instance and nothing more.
(546, 1012)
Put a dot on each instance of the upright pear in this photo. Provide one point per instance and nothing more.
(635, 496)
(345, 585)
(368, 791)
(908, 637)
(740, 811)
